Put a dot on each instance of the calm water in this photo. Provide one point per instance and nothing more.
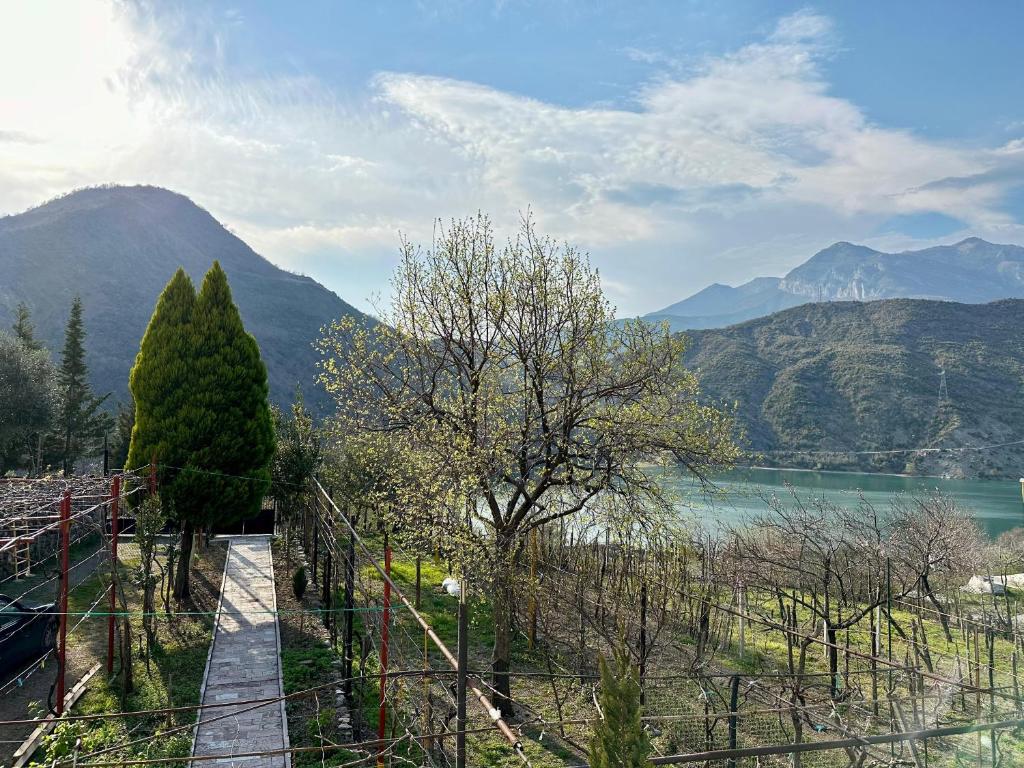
(996, 504)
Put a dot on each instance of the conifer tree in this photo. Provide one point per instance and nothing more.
(619, 739)
(23, 328)
(161, 384)
(81, 422)
(228, 471)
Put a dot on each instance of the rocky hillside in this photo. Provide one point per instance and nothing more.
(813, 383)
(117, 247)
(971, 271)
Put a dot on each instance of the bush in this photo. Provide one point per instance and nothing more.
(299, 583)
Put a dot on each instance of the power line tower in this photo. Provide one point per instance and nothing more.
(943, 391)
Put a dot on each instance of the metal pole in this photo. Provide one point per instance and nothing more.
(460, 692)
(115, 498)
(65, 545)
(385, 621)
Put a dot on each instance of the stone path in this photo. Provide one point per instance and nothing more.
(244, 663)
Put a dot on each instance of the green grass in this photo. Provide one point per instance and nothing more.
(173, 679)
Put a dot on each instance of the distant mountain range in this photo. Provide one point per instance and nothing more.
(816, 382)
(971, 271)
(117, 247)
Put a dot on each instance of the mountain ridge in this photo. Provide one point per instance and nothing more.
(117, 246)
(969, 271)
(854, 377)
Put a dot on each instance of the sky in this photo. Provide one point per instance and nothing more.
(679, 143)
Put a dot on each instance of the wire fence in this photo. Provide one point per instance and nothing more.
(730, 675)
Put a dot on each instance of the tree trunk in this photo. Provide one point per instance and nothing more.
(501, 660)
(502, 657)
(181, 578)
(833, 659)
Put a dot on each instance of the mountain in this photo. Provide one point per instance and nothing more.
(866, 376)
(117, 247)
(971, 271)
(720, 305)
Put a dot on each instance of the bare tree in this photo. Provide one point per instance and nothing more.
(499, 394)
(936, 543)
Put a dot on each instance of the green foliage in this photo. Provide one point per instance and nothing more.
(29, 402)
(619, 739)
(849, 376)
(299, 582)
(298, 454)
(24, 331)
(232, 434)
(80, 422)
(201, 411)
(162, 384)
(124, 423)
(499, 395)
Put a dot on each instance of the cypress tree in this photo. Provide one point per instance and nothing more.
(619, 739)
(82, 424)
(161, 383)
(23, 328)
(228, 471)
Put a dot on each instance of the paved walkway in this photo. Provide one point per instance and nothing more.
(244, 663)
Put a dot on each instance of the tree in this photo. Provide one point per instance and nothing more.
(499, 395)
(228, 415)
(29, 401)
(298, 456)
(81, 423)
(150, 519)
(124, 423)
(161, 384)
(619, 739)
(23, 328)
(935, 541)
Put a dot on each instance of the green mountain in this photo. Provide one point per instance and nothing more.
(813, 383)
(117, 247)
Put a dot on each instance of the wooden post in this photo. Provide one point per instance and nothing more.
(743, 620)
(350, 581)
(460, 679)
(417, 603)
(316, 547)
(643, 641)
(65, 546)
(326, 598)
(532, 632)
(428, 715)
(385, 621)
(734, 698)
(115, 498)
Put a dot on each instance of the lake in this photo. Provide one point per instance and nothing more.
(996, 504)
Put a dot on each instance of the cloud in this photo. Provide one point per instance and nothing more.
(737, 165)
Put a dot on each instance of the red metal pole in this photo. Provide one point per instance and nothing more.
(65, 545)
(115, 498)
(385, 622)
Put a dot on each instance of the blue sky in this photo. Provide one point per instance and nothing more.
(680, 143)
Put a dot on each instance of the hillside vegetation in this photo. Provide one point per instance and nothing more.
(117, 247)
(851, 376)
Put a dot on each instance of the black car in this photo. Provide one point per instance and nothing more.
(26, 632)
